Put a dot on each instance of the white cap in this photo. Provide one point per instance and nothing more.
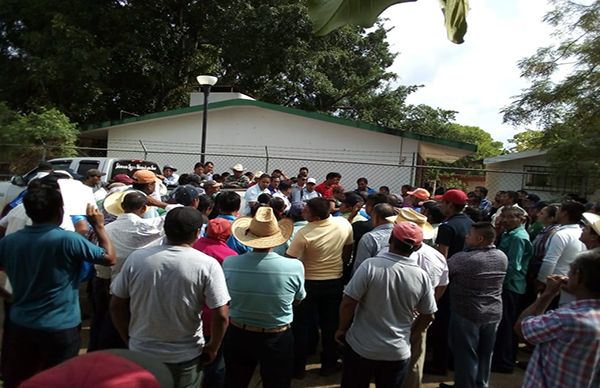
(311, 180)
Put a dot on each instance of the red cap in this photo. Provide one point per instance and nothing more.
(408, 232)
(419, 193)
(218, 229)
(123, 178)
(457, 197)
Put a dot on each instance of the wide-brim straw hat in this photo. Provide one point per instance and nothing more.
(112, 202)
(409, 214)
(262, 230)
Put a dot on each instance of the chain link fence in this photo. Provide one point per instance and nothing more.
(397, 170)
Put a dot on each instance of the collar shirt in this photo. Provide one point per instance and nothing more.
(128, 233)
(561, 250)
(172, 180)
(372, 243)
(324, 190)
(381, 331)
(433, 263)
(519, 250)
(567, 352)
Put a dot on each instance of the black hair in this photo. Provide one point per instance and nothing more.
(483, 189)
(439, 191)
(384, 210)
(249, 174)
(351, 198)
(553, 209)
(133, 201)
(265, 176)
(403, 248)
(228, 202)
(384, 188)
(485, 230)
(332, 175)
(264, 198)
(522, 192)
(573, 209)
(375, 198)
(207, 163)
(303, 168)
(278, 206)
(539, 205)
(276, 171)
(319, 207)
(43, 204)
(588, 266)
(184, 179)
(182, 225)
(434, 210)
(362, 180)
(199, 164)
(283, 185)
(533, 197)
(205, 202)
(255, 206)
(471, 212)
(513, 195)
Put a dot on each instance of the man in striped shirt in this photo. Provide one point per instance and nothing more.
(567, 339)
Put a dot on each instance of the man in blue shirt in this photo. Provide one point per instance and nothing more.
(43, 263)
(263, 287)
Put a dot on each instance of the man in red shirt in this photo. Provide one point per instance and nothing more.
(326, 188)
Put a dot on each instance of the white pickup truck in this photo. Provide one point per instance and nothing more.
(111, 166)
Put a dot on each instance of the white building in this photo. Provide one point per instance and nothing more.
(531, 171)
(263, 136)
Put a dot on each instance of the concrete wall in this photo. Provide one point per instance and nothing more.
(245, 131)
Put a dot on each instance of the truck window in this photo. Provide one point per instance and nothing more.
(85, 165)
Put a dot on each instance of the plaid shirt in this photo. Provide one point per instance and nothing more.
(568, 346)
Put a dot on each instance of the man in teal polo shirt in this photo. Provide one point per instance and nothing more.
(263, 287)
(43, 263)
(519, 250)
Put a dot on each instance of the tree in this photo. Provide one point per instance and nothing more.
(26, 139)
(567, 110)
(526, 140)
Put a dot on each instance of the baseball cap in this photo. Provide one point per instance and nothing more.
(123, 178)
(184, 195)
(455, 196)
(218, 229)
(144, 176)
(94, 172)
(408, 232)
(311, 180)
(419, 193)
(170, 167)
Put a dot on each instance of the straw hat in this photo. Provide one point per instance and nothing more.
(593, 220)
(408, 214)
(112, 202)
(262, 231)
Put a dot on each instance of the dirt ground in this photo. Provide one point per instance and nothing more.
(314, 380)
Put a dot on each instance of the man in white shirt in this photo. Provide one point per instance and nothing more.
(159, 294)
(298, 188)
(563, 246)
(171, 179)
(251, 196)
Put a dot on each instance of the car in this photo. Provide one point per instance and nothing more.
(80, 165)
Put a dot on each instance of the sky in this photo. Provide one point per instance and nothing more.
(478, 77)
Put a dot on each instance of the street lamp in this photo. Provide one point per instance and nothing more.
(205, 81)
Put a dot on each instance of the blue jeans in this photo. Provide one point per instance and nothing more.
(213, 374)
(320, 308)
(358, 371)
(472, 345)
(244, 350)
(505, 350)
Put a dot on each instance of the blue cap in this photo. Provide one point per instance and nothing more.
(184, 195)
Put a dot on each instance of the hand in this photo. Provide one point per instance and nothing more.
(151, 201)
(94, 216)
(208, 355)
(554, 284)
(340, 337)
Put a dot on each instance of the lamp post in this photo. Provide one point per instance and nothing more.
(205, 81)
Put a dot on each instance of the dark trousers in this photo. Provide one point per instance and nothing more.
(358, 371)
(244, 350)
(29, 351)
(437, 336)
(319, 308)
(505, 350)
(213, 374)
(103, 334)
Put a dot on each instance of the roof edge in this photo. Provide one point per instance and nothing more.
(285, 109)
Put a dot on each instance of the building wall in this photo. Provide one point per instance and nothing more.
(245, 131)
(507, 181)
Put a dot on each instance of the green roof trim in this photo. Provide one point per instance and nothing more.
(298, 112)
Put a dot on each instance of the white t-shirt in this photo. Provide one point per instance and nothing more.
(17, 219)
(381, 331)
(433, 263)
(167, 287)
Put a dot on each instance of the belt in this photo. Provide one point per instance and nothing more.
(256, 329)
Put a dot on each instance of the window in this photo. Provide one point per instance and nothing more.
(544, 178)
(86, 165)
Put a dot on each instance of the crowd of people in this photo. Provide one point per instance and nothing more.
(184, 270)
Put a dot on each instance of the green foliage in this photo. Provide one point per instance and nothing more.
(567, 108)
(329, 15)
(28, 138)
(527, 140)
